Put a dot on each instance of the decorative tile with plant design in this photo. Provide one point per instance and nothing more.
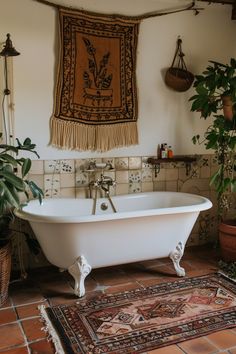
(121, 163)
(135, 187)
(146, 175)
(52, 181)
(52, 166)
(135, 176)
(67, 166)
(81, 165)
(81, 179)
(110, 161)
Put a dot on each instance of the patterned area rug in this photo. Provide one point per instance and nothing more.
(144, 319)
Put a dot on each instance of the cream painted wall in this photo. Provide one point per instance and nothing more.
(164, 115)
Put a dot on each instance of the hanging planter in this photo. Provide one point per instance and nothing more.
(177, 76)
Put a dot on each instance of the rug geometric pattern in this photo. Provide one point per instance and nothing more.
(146, 318)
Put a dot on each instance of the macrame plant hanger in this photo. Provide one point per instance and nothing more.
(177, 76)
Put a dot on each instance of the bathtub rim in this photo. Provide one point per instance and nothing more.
(204, 204)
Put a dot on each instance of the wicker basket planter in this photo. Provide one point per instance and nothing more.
(177, 76)
(179, 79)
(5, 270)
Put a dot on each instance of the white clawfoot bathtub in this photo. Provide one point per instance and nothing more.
(145, 226)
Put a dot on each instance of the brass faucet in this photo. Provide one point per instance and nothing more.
(103, 184)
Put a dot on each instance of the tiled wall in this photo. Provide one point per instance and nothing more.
(71, 178)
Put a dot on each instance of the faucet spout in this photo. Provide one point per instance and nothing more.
(106, 190)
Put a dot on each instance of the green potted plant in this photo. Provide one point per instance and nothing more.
(13, 182)
(212, 87)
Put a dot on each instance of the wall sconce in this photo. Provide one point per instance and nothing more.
(8, 51)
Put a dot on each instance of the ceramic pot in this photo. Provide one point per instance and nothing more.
(227, 238)
(227, 107)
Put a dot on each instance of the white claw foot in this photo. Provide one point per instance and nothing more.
(176, 256)
(79, 271)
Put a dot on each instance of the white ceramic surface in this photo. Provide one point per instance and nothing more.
(146, 226)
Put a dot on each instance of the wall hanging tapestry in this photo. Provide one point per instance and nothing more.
(140, 320)
(96, 99)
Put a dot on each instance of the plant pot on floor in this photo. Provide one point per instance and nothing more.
(5, 270)
(227, 238)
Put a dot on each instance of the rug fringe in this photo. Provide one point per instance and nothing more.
(52, 334)
(84, 137)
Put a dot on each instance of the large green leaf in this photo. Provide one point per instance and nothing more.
(36, 191)
(9, 196)
(14, 180)
(8, 158)
(26, 167)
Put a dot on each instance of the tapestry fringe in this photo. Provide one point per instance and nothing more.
(48, 328)
(83, 137)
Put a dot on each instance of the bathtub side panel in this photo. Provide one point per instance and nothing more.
(114, 242)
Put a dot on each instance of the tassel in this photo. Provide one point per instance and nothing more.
(83, 137)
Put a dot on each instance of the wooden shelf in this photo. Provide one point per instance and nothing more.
(156, 162)
(187, 159)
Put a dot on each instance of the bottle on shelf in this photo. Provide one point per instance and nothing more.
(166, 150)
(158, 151)
(170, 152)
(163, 152)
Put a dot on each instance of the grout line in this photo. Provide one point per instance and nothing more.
(181, 349)
(29, 303)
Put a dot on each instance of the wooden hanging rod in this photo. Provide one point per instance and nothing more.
(191, 7)
(223, 2)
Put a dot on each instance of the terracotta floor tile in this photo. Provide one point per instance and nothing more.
(119, 288)
(171, 349)
(33, 329)
(55, 287)
(207, 264)
(58, 300)
(223, 339)
(200, 271)
(7, 315)
(156, 272)
(15, 338)
(153, 262)
(198, 346)
(22, 350)
(25, 292)
(42, 347)
(159, 280)
(29, 310)
(113, 277)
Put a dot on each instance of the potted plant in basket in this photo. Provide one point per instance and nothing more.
(13, 183)
(215, 86)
